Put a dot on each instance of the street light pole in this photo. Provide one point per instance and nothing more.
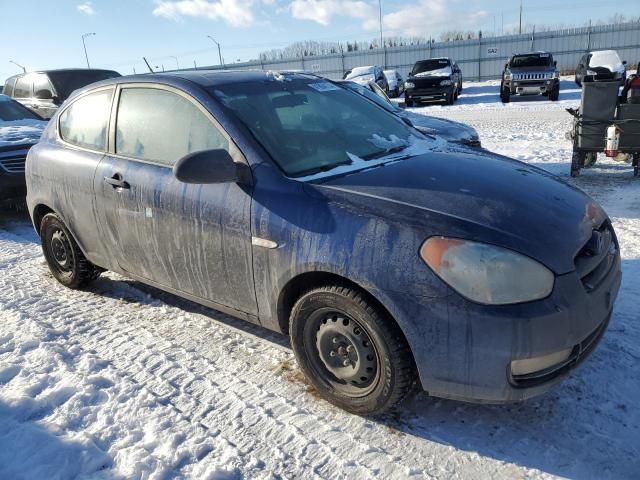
(380, 19)
(17, 64)
(219, 53)
(85, 47)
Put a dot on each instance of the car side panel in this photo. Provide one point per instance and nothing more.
(61, 178)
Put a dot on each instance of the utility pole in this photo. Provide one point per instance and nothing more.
(520, 30)
(24, 70)
(380, 18)
(85, 47)
(219, 53)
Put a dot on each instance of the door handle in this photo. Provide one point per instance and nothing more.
(117, 181)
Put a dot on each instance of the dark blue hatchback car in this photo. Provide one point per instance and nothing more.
(388, 256)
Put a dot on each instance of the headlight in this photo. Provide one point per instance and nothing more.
(556, 74)
(592, 72)
(508, 76)
(409, 85)
(485, 273)
(446, 82)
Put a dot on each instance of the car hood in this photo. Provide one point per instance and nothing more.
(479, 196)
(20, 132)
(448, 129)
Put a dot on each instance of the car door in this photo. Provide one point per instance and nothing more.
(190, 238)
(43, 93)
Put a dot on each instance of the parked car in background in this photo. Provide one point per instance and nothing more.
(532, 73)
(364, 75)
(454, 132)
(44, 91)
(434, 80)
(395, 82)
(385, 254)
(20, 129)
(631, 89)
(601, 65)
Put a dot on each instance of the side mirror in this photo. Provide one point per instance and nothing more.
(555, 63)
(624, 62)
(206, 167)
(44, 94)
(506, 65)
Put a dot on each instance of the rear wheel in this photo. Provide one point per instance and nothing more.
(65, 259)
(351, 352)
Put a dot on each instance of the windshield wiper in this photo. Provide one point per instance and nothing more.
(384, 153)
(322, 168)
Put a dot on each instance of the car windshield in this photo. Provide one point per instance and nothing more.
(65, 82)
(604, 58)
(11, 111)
(533, 60)
(374, 97)
(312, 125)
(429, 66)
(359, 72)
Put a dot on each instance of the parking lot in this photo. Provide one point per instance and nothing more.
(124, 380)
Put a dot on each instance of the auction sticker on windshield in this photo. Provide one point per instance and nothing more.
(323, 86)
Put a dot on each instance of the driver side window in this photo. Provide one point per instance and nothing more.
(162, 126)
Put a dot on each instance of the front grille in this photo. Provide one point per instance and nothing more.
(578, 354)
(13, 161)
(532, 76)
(597, 257)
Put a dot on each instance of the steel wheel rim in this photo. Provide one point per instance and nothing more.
(60, 252)
(342, 353)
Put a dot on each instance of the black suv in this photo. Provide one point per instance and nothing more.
(532, 73)
(43, 92)
(436, 79)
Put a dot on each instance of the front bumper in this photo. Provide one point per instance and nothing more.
(431, 94)
(531, 87)
(465, 350)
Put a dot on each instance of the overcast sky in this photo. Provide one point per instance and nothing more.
(42, 34)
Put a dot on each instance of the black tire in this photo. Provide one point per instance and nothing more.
(408, 102)
(505, 95)
(577, 162)
(555, 94)
(578, 82)
(450, 98)
(590, 159)
(339, 324)
(65, 259)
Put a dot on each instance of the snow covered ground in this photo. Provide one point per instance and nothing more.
(124, 381)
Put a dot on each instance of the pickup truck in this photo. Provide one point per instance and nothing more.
(532, 73)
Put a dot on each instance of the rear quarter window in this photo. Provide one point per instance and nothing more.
(8, 87)
(22, 88)
(84, 122)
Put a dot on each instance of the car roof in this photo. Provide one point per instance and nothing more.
(209, 78)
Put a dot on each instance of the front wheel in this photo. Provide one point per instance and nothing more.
(505, 95)
(65, 259)
(555, 94)
(352, 353)
(577, 162)
(408, 102)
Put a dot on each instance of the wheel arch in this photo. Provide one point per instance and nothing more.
(303, 282)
